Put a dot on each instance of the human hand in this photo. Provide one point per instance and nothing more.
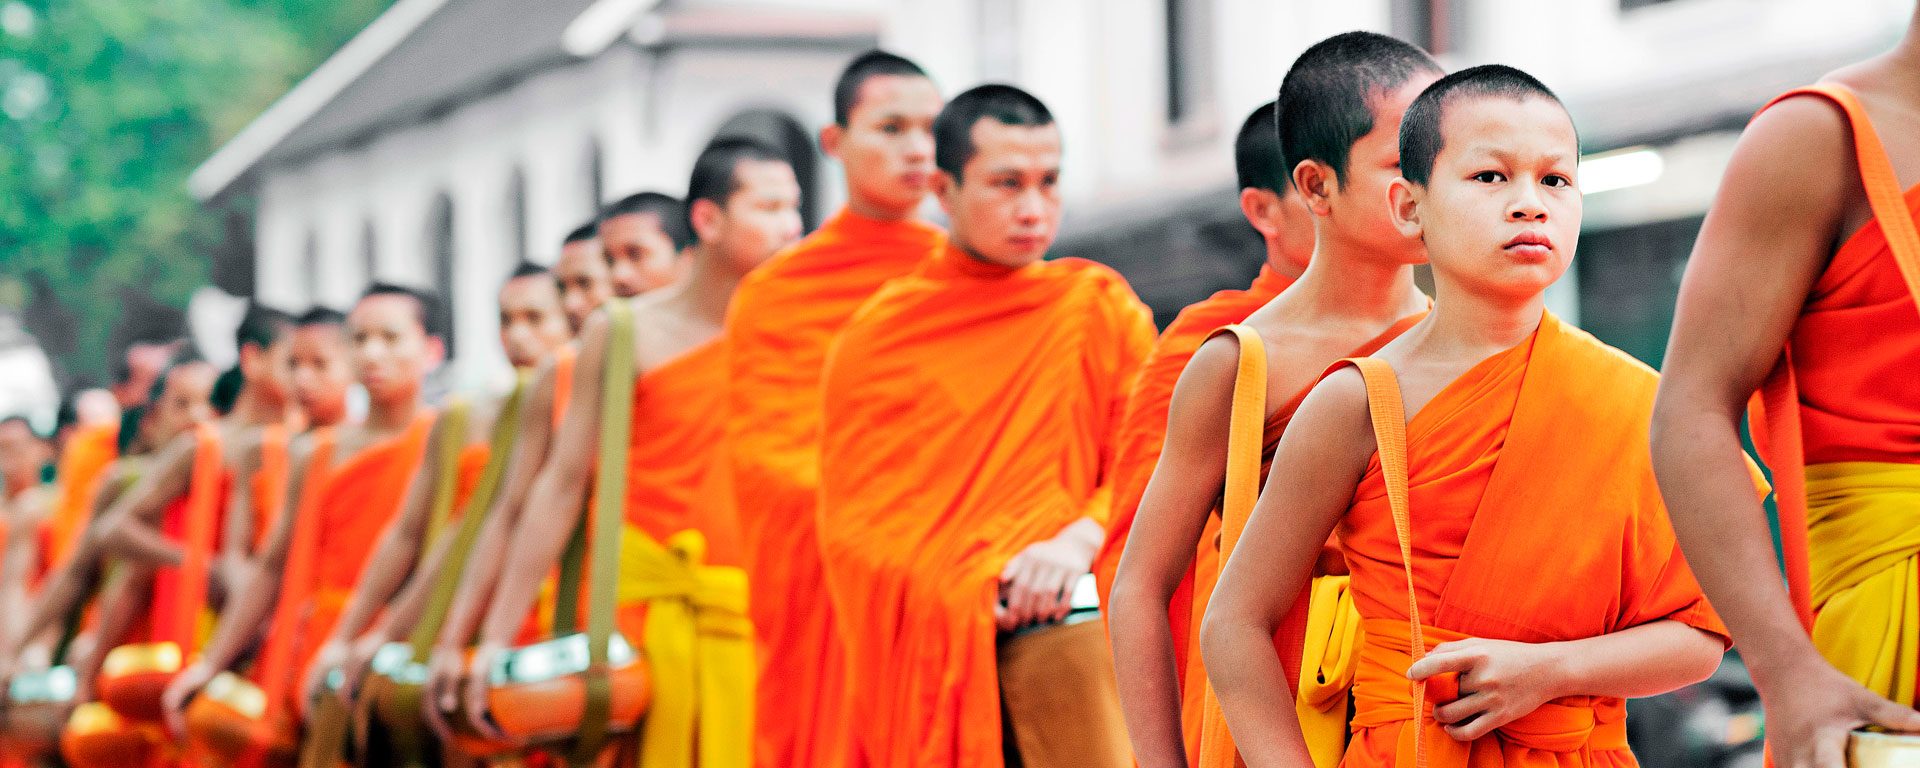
(180, 691)
(331, 655)
(476, 686)
(358, 663)
(1037, 584)
(1808, 724)
(1498, 682)
(440, 694)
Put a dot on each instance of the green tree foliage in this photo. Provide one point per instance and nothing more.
(105, 107)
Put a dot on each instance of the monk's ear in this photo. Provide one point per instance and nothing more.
(706, 216)
(1403, 199)
(1316, 182)
(1261, 207)
(830, 137)
(436, 352)
(945, 187)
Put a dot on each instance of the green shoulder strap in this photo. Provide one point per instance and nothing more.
(609, 512)
(446, 451)
(506, 429)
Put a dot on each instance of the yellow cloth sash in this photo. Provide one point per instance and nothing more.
(699, 647)
(1863, 535)
(1327, 664)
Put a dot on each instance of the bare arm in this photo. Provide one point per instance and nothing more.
(1274, 560)
(72, 581)
(1781, 209)
(119, 608)
(130, 528)
(248, 612)
(1160, 549)
(235, 560)
(561, 488)
(483, 565)
(393, 556)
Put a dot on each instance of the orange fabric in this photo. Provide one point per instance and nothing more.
(677, 408)
(473, 461)
(1827, 399)
(1143, 425)
(269, 482)
(342, 513)
(1210, 744)
(88, 452)
(782, 319)
(1575, 414)
(970, 411)
(193, 521)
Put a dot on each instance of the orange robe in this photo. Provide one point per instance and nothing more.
(782, 318)
(970, 411)
(1536, 455)
(356, 500)
(269, 482)
(179, 592)
(676, 423)
(87, 453)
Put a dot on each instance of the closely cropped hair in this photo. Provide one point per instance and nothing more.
(1327, 98)
(716, 173)
(671, 213)
(528, 269)
(866, 66)
(261, 326)
(1004, 104)
(583, 233)
(1420, 137)
(1256, 154)
(320, 316)
(426, 304)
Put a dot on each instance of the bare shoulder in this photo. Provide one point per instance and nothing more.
(1334, 414)
(1210, 373)
(1797, 153)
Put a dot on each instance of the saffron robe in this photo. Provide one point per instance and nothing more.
(1843, 439)
(87, 453)
(783, 316)
(1538, 454)
(970, 411)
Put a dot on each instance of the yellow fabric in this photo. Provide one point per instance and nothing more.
(1863, 534)
(698, 643)
(1332, 652)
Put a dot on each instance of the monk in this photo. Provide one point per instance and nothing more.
(783, 317)
(743, 205)
(1520, 435)
(346, 483)
(1338, 142)
(179, 401)
(1824, 335)
(320, 368)
(391, 591)
(969, 410)
(585, 284)
(645, 245)
(93, 445)
(581, 271)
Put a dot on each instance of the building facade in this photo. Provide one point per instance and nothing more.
(453, 138)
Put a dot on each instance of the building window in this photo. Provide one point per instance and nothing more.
(596, 177)
(441, 249)
(517, 214)
(370, 252)
(1189, 60)
(310, 268)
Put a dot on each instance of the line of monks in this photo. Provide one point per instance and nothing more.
(836, 502)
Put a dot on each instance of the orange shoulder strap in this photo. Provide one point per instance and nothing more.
(296, 584)
(1246, 434)
(1775, 409)
(1387, 410)
(197, 537)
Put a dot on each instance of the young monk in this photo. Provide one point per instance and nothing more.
(179, 401)
(1801, 294)
(645, 245)
(320, 367)
(347, 483)
(968, 414)
(743, 205)
(86, 454)
(783, 317)
(1524, 447)
(585, 284)
(582, 273)
(388, 596)
(1341, 104)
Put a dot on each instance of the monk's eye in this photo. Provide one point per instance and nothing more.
(1557, 181)
(1007, 182)
(892, 128)
(1489, 177)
